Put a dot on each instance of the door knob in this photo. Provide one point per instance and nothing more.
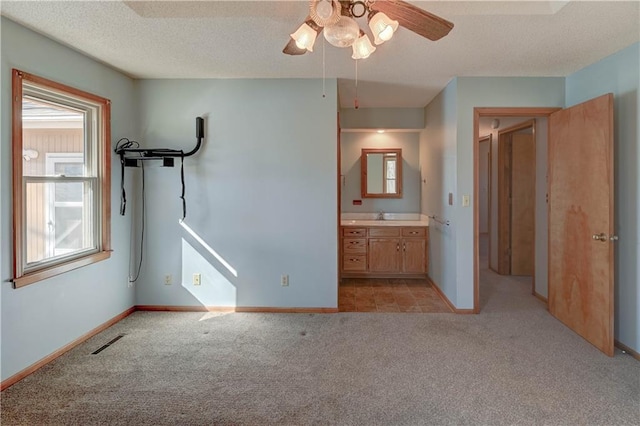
(613, 238)
(600, 237)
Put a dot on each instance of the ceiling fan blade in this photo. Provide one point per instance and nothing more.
(415, 19)
(291, 48)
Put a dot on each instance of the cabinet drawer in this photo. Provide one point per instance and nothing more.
(354, 245)
(354, 232)
(414, 232)
(354, 262)
(390, 231)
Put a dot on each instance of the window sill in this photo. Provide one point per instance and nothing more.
(43, 274)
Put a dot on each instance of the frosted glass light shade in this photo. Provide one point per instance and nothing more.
(382, 27)
(343, 33)
(305, 37)
(362, 48)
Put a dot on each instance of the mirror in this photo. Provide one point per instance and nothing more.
(381, 173)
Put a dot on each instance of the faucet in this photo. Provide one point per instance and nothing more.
(380, 215)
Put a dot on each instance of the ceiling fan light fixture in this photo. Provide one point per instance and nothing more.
(382, 27)
(305, 37)
(362, 48)
(343, 33)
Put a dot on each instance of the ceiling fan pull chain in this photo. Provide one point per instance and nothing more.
(356, 104)
(324, 93)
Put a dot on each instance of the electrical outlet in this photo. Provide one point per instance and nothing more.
(284, 280)
(168, 279)
(197, 279)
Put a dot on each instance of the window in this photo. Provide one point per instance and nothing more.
(390, 173)
(61, 178)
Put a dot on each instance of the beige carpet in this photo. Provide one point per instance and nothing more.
(512, 364)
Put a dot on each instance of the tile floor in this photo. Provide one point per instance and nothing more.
(389, 295)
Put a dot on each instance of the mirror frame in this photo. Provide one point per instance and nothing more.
(363, 171)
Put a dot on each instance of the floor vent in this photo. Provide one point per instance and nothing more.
(102, 348)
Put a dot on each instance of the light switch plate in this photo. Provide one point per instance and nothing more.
(465, 200)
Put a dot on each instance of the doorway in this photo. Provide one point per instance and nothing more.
(508, 118)
(579, 199)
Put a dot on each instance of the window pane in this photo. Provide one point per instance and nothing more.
(391, 169)
(49, 129)
(59, 219)
(68, 169)
(391, 187)
(68, 192)
(68, 229)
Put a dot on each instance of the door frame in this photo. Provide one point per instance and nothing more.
(484, 112)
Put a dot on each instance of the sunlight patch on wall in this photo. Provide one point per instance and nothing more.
(213, 289)
(208, 248)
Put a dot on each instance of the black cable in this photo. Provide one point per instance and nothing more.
(121, 146)
(142, 233)
(124, 144)
(123, 193)
(184, 201)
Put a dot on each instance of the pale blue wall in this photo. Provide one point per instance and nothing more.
(351, 145)
(262, 193)
(382, 118)
(620, 74)
(438, 170)
(43, 317)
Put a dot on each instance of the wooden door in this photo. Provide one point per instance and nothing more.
(523, 181)
(580, 210)
(504, 203)
(414, 254)
(384, 255)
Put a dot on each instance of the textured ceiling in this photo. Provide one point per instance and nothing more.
(244, 39)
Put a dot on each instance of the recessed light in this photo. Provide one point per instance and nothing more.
(381, 131)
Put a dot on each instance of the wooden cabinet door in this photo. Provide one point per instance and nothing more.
(581, 220)
(384, 255)
(414, 253)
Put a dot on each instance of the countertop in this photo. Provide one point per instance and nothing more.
(360, 222)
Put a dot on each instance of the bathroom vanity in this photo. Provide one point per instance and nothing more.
(383, 249)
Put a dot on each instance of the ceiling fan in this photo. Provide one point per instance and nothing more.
(335, 18)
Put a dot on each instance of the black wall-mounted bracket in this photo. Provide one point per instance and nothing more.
(131, 155)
